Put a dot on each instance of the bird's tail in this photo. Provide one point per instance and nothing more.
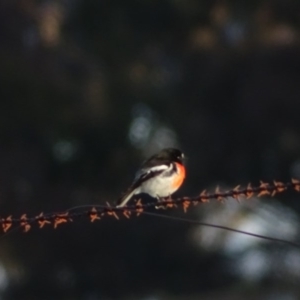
(126, 197)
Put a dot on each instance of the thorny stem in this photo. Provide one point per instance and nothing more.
(138, 208)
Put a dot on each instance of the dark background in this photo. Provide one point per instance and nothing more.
(90, 88)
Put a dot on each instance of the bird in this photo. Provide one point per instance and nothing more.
(159, 176)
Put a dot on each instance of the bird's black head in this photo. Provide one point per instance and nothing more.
(171, 154)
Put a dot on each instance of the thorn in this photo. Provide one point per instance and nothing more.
(6, 224)
(295, 181)
(264, 184)
(61, 218)
(280, 186)
(110, 212)
(113, 213)
(41, 221)
(249, 191)
(169, 199)
(264, 187)
(27, 227)
(170, 205)
(139, 207)
(167, 203)
(296, 184)
(236, 193)
(139, 211)
(94, 215)
(204, 196)
(263, 193)
(218, 195)
(185, 205)
(65, 214)
(24, 223)
(58, 222)
(237, 188)
(127, 213)
(40, 216)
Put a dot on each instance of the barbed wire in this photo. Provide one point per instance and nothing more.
(97, 212)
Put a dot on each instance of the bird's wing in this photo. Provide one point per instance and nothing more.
(141, 176)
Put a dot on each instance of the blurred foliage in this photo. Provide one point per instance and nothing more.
(90, 88)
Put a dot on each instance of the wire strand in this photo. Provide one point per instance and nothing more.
(222, 227)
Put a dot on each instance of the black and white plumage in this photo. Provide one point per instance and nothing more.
(160, 176)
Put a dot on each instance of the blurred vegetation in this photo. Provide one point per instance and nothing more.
(90, 88)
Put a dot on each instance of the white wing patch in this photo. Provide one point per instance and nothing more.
(159, 185)
(152, 169)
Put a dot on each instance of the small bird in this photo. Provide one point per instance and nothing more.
(159, 176)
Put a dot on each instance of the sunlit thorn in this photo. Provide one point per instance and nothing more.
(115, 215)
(168, 199)
(218, 195)
(236, 192)
(127, 213)
(27, 227)
(263, 193)
(139, 207)
(94, 215)
(264, 187)
(139, 202)
(110, 212)
(296, 184)
(204, 196)
(166, 203)
(280, 186)
(6, 223)
(237, 189)
(249, 191)
(63, 215)
(185, 205)
(40, 216)
(41, 221)
(24, 223)
(61, 218)
(139, 211)
(58, 221)
(170, 205)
